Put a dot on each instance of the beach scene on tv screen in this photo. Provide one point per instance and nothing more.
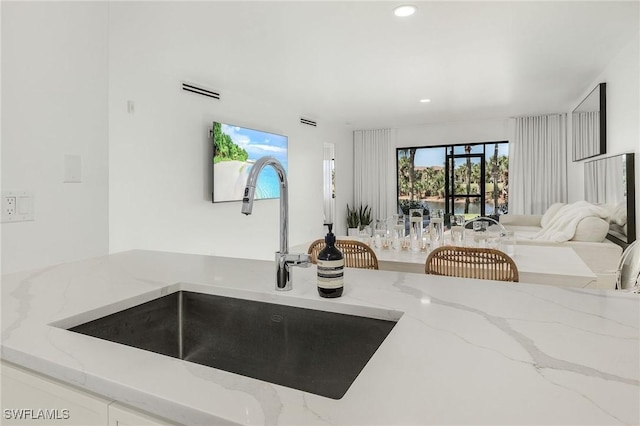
(236, 150)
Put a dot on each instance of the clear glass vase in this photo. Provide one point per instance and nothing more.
(415, 228)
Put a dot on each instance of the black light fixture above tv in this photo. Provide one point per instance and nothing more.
(589, 125)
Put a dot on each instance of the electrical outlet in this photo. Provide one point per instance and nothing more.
(17, 206)
(8, 208)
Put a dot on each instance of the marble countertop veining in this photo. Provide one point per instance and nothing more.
(463, 352)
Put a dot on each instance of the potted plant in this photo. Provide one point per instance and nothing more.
(353, 221)
(364, 215)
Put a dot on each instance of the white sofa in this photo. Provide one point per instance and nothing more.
(584, 233)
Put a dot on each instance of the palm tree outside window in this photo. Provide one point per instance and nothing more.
(469, 179)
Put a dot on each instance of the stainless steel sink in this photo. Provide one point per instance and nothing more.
(306, 349)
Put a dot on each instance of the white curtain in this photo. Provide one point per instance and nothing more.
(327, 184)
(374, 180)
(594, 182)
(615, 180)
(538, 163)
(585, 127)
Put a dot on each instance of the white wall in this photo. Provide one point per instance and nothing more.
(453, 133)
(160, 156)
(622, 76)
(54, 102)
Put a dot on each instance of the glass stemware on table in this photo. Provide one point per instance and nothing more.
(508, 243)
(380, 234)
(415, 229)
(398, 232)
(391, 233)
(457, 229)
(436, 228)
(365, 235)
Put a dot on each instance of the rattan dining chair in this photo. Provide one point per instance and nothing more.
(356, 254)
(471, 262)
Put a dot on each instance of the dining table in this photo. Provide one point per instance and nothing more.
(550, 265)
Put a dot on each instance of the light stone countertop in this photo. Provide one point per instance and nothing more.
(463, 352)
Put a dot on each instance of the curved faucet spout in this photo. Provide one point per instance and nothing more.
(283, 260)
(250, 189)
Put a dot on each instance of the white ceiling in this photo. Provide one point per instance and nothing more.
(357, 63)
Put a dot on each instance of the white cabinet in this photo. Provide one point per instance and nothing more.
(29, 398)
(32, 399)
(121, 415)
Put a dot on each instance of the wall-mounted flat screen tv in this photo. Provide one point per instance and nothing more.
(235, 150)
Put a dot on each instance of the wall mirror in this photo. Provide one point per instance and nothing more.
(589, 125)
(611, 181)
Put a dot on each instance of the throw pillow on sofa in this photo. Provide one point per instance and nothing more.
(591, 229)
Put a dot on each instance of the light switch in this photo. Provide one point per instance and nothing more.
(72, 169)
(24, 205)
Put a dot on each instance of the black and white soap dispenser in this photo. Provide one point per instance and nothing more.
(330, 268)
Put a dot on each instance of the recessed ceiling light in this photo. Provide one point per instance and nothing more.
(424, 101)
(404, 10)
